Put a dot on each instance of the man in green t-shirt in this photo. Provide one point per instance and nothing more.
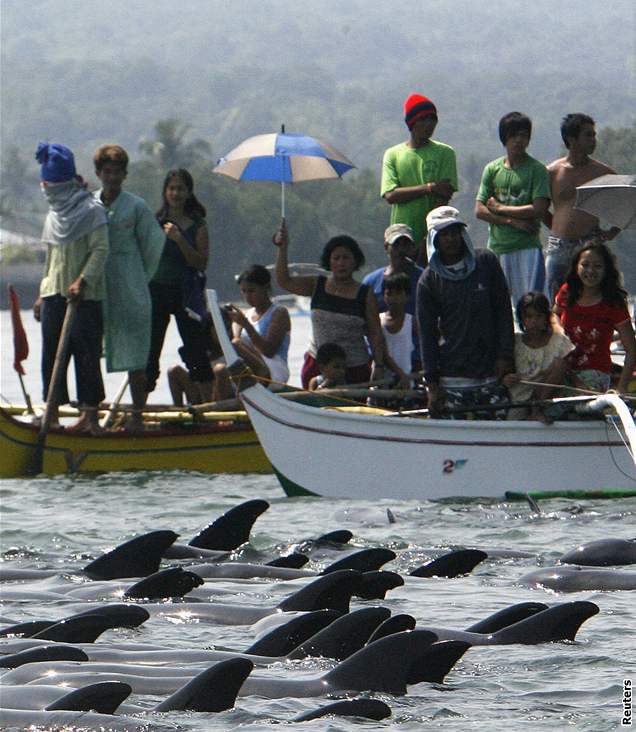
(420, 174)
(513, 196)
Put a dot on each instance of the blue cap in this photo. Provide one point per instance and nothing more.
(57, 164)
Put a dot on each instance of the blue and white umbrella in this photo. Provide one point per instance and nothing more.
(284, 158)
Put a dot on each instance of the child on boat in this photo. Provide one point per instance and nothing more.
(397, 326)
(261, 335)
(592, 304)
(182, 388)
(540, 356)
(332, 362)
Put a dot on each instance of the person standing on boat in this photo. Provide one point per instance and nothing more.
(419, 174)
(261, 335)
(178, 286)
(401, 250)
(76, 234)
(135, 247)
(513, 196)
(342, 310)
(464, 318)
(571, 228)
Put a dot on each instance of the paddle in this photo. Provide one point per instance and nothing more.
(52, 397)
(107, 420)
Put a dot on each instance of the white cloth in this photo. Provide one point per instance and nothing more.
(400, 344)
(525, 272)
(73, 213)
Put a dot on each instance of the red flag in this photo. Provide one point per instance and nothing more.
(20, 343)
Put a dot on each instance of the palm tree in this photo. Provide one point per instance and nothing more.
(169, 148)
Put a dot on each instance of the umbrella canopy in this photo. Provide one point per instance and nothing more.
(611, 198)
(284, 158)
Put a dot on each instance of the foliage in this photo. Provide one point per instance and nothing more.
(618, 148)
(169, 148)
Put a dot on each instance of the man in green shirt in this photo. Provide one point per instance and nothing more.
(136, 244)
(513, 197)
(420, 174)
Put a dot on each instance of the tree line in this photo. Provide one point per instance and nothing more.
(242, 216)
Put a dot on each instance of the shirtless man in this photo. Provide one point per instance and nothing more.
(570, 227)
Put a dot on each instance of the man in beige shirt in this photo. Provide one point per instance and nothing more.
(76, 234)
(570, 227)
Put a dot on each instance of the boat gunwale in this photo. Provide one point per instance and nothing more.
(290, 407)
(190, 428)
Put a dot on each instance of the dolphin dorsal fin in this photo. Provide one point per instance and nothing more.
(103, 697)
(137, 557)
(213, 690)
(231, 529)
(383, 666)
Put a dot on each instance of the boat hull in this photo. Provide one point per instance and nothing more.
(223, 446)
(328, 453)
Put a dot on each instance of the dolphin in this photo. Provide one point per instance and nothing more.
(43, 653)
(602, 553)
(104, 697)
(295, 560)
(116, 616)
(572, 578)
(363, 560)
(556, 623)
(137, 557)
(23, 719)
(451, 565)
(394, 624)
(163, 584)
(212, 690)
(364, 708)
(387, 665)
(223, 535)
(342, 637)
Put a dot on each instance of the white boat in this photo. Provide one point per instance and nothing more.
(340, 453)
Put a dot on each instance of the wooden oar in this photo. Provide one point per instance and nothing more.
(52, 398)
(107, 419)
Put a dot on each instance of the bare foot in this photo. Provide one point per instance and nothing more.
(87, 424)
(134, 424)
(54, 424)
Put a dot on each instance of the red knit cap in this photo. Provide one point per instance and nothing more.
(416, 107)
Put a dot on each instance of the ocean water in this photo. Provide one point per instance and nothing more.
(63, 522)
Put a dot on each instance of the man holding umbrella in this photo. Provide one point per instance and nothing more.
(571, 227)
(420, 174)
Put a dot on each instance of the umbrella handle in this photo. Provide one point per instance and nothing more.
(282, 199)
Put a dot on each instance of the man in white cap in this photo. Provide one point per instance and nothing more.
(464, 319)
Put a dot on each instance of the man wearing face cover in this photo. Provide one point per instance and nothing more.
(464, 319)
(419, 174)
(76, 234)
